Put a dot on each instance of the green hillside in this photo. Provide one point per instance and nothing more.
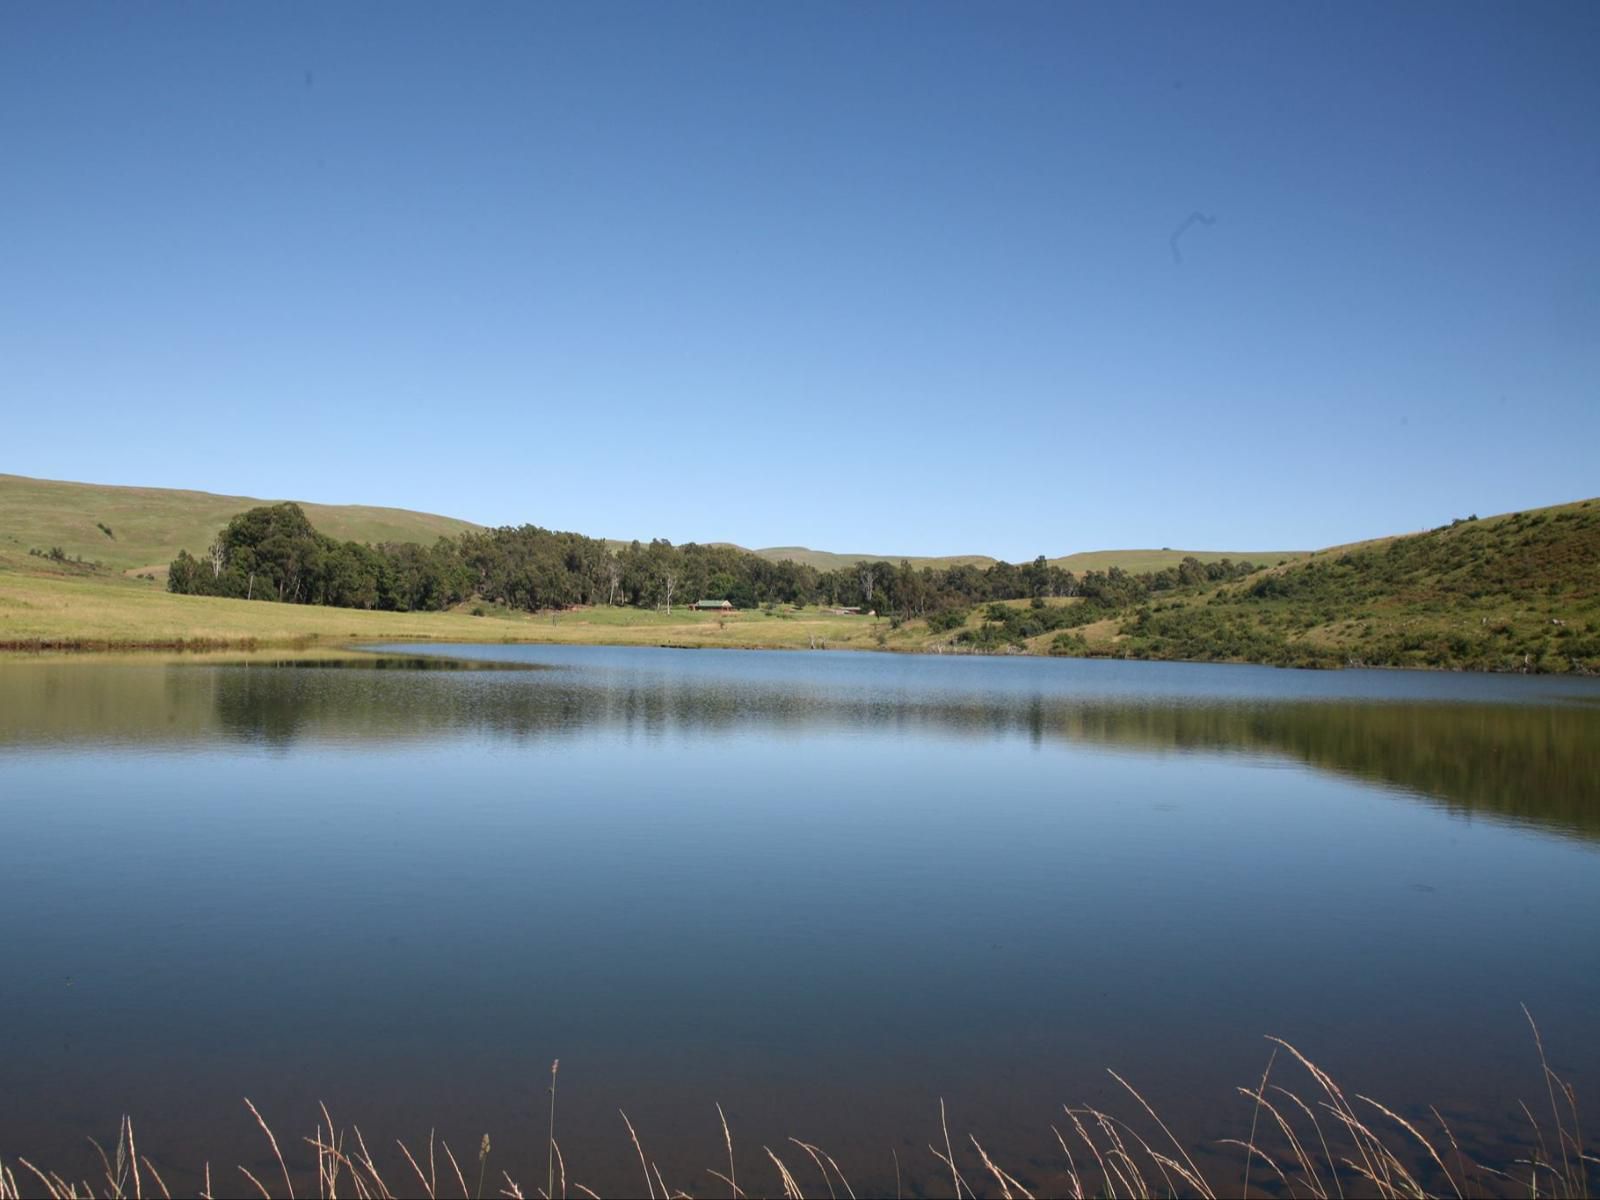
(1513, 592)
(137, 527)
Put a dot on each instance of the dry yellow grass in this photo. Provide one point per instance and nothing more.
(1328, 1143)
(150, 525)
(44, 606)
(98, 611)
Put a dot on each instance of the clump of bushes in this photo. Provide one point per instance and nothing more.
(1069, 644)
(947, 619)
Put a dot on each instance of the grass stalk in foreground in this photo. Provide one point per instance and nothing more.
(1324, 1145)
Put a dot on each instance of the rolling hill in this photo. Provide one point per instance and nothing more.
(139, 528)
(148, 526)
(1515, 592)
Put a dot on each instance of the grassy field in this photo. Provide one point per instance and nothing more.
(148, 526)
(45, 604)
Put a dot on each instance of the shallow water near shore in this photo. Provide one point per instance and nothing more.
(824, 890)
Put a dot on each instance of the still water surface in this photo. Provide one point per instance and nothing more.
(823, 889)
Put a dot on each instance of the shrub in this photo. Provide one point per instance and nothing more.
(1069, 644)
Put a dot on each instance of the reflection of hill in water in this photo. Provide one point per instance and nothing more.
(1535, 765)
(1529, 763)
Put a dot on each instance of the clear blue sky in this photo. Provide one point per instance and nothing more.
(881, 278)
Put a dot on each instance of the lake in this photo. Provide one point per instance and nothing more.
(824, 890)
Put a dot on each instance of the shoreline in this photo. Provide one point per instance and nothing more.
(1381, 1147)
(91, 648)
(84, 614)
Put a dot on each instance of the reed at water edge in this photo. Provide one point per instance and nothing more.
(1317, 1143)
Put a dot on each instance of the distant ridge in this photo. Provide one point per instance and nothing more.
(1134, 561)
(150, 525)
(827, 560)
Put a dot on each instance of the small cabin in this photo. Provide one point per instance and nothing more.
(712, 606)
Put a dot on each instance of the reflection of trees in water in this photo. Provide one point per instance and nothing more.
(1534, 764)
(1530, 763)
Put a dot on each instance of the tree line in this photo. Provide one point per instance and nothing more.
(273, 552)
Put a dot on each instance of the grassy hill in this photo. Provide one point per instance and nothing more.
(136, 527)
(148, 526)
(1519, 591)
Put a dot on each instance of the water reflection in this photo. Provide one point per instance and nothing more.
(822, 890)
(1536, 763)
